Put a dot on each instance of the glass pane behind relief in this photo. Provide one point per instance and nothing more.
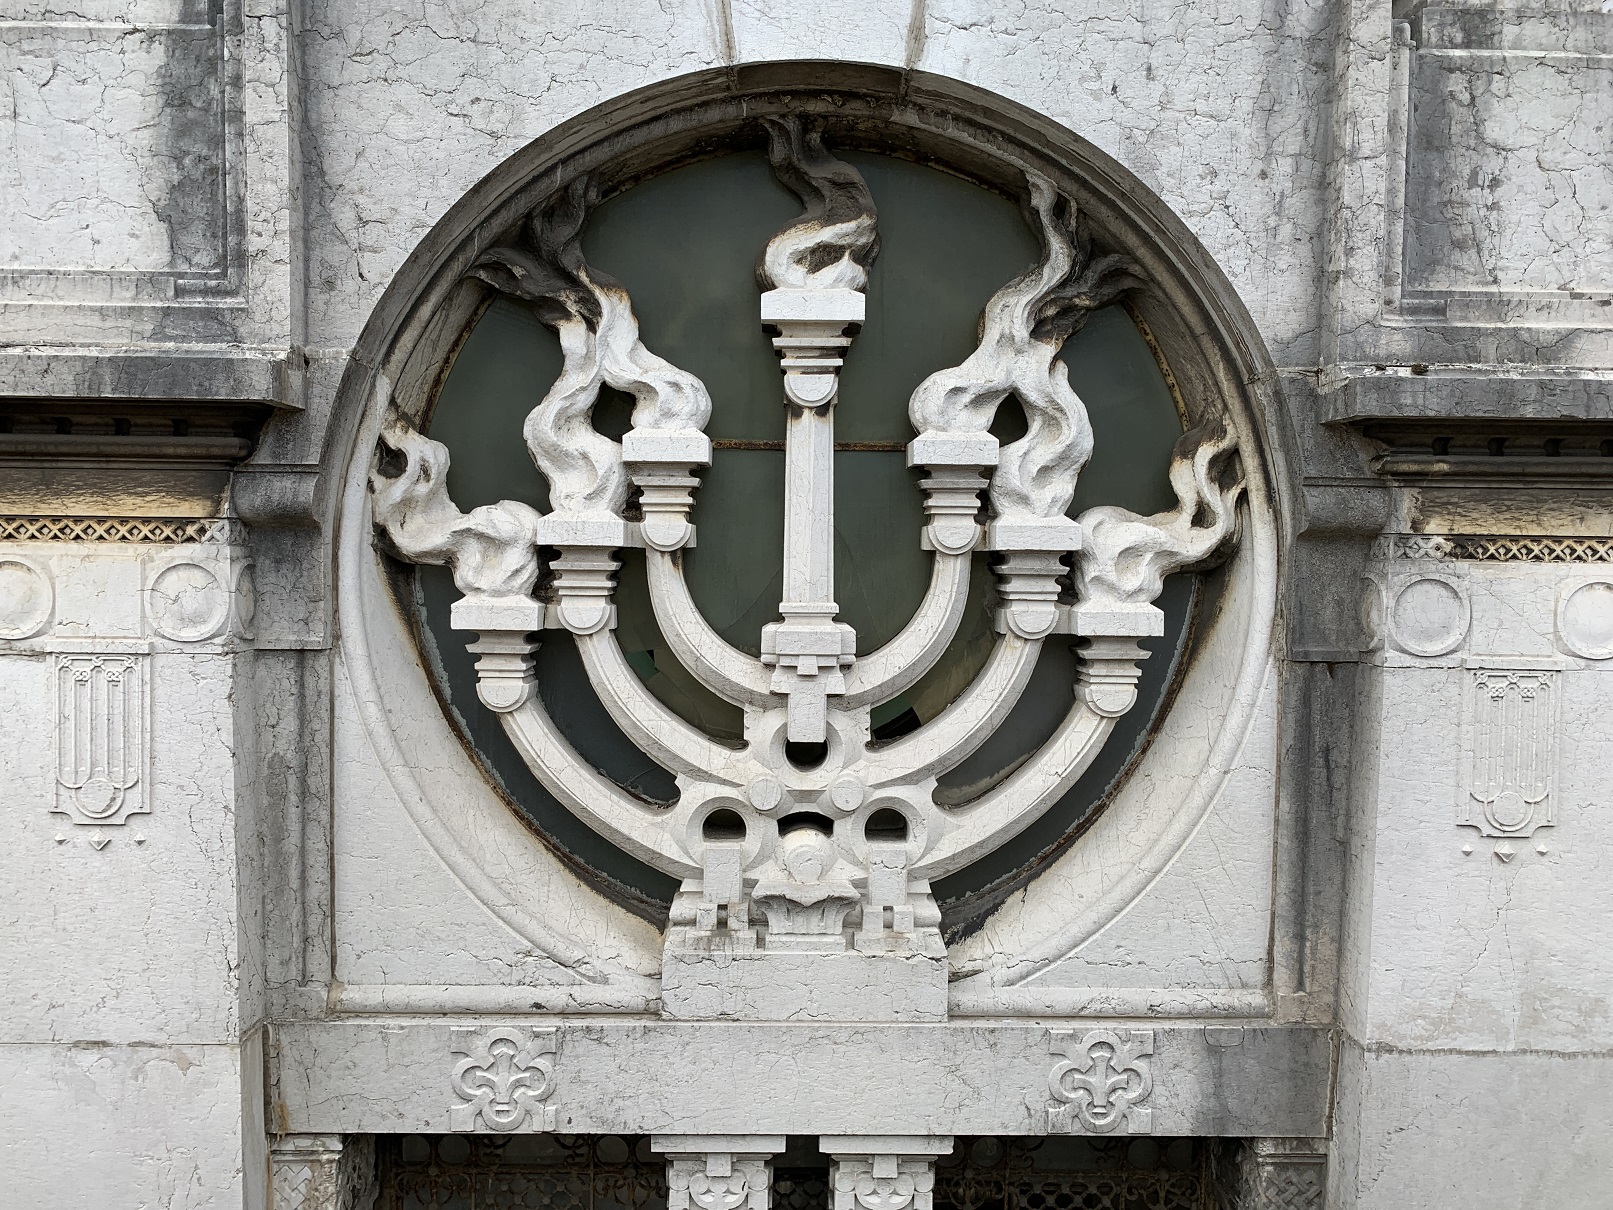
(685, 245)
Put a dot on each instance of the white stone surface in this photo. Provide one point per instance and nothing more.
(212, 204)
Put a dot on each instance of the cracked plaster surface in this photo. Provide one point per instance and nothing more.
(1219, 108)
(408, 107)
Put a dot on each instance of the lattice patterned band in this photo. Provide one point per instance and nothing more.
(1481, 548)
(114, 529)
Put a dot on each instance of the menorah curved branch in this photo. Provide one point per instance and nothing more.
(809, 841)
(900, 664)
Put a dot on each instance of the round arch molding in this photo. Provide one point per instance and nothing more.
(1222, 374)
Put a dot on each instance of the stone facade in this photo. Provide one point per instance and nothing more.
(1343, 914)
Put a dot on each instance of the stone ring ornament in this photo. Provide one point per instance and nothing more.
(808, 880)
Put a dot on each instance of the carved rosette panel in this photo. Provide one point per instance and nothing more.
(504, 1078)
(1102, 1083)
(1511, 757)
(101, 738)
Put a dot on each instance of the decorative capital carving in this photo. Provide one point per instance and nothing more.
(503, 1078)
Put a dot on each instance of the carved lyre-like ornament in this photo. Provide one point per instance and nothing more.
(778, 862)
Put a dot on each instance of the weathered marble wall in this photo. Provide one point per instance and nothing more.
(1414, 204)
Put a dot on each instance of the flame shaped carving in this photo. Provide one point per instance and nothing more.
(832, 244)
(493, 551)
(1125, 558)
(599, 338)
(1024, 326)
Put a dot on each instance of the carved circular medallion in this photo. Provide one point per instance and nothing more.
(26, 598)
(187, 603)
(1430, 617)
(1585, 620)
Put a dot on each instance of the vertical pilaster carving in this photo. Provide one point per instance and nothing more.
(718, 1172)
(1272, 1174)
(504, 1076)
(101, 738)
(1511, 755)
(1105, 1077)
(884, 1172)
(322, 1172)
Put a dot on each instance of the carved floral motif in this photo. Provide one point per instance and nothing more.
(1101, 1084)
(503, 1078)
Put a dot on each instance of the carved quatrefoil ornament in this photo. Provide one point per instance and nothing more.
(803, 879)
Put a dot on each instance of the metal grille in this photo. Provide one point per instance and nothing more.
(612, 1172)
(1074, 1173)
(517, 1172)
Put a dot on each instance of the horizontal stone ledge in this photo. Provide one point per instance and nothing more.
(236, 375)
(1351, 396)
(616, 1076)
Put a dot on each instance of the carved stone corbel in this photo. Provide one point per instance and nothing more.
(718, 1171)
(322, 1172)
(884, 1172)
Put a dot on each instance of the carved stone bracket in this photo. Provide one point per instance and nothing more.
(504, 1077)
(884, 1172)
(718, 1171)
(1102, 1083)
(322, 1172)
(1272, 1174)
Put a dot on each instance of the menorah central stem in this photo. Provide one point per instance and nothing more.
(809, 649)
(809, 570)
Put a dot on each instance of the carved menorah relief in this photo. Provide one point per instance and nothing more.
(808, 851)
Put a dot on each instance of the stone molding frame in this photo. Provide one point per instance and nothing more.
(1214, 351)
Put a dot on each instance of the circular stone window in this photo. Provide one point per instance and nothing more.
(684, 243)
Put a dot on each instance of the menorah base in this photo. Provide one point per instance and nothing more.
(762, 986)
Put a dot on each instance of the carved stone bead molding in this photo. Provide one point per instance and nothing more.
(884, 1172)
(718, 1171)
(1481, 548)
(1102, 1083)
(1273, 1174)
(322, 1172)
(1511, 756)
(503, 1078)
(147, 530)
(101, 739)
